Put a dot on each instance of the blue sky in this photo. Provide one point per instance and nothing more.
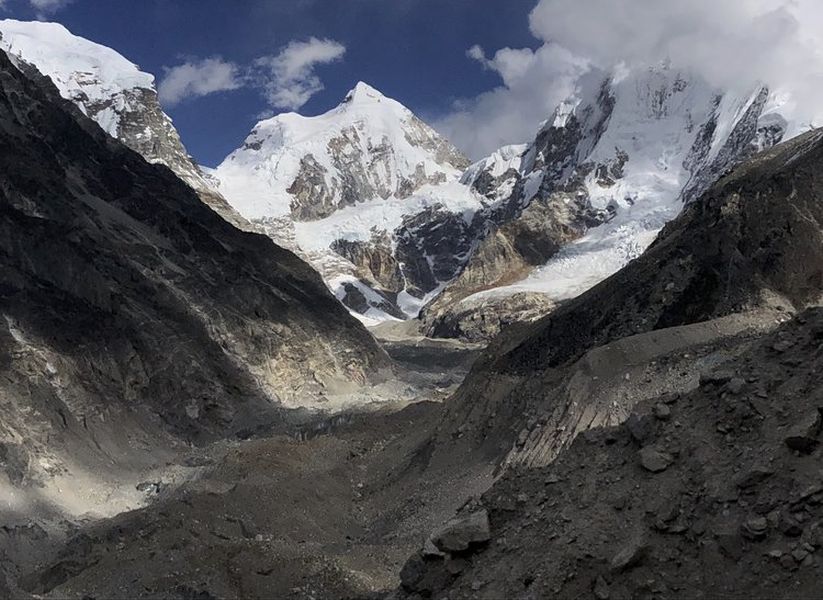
(411, 50)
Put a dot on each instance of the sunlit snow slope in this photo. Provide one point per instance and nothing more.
(633, 148)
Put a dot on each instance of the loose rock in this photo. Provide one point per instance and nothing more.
(460, 534)
(655, 461)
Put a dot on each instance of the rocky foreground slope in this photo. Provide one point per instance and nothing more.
(134, 319)
(658, 426)
(713, 493)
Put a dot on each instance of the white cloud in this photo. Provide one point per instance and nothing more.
(289, 80)
(45, 8)
(733, 44)
(729, 42)
(198, 78)
(534, 83)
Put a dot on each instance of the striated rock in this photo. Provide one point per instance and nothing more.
(755, 529)
(630, 555)
(601, 589)
(374, 260)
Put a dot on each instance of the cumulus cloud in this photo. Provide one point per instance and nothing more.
(289, 78)
(534, 83)
(194, 79)
(733, 44)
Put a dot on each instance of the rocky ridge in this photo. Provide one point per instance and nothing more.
(615, 162)
(114, 93)
(749, 251)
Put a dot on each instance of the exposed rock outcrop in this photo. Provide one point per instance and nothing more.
(482, 317)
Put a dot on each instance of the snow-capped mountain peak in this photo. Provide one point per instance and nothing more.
(358, 191)
(111, 90)
(85, 72)
(367, 148)
(363, 92)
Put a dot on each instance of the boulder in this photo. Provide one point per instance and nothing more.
(654, 460)
(803, 436)
(459, 535)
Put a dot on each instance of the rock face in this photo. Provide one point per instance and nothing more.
(484, 316)
(615, 162)
(114, 93)
(367, 181)
(715, 522)
(127, 303)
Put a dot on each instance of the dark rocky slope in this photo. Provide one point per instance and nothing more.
(133, 317)
(715, 493)
(753, 243)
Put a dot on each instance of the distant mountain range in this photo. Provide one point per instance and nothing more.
(394, 217)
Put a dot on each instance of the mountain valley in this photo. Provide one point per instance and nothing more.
(347, 362)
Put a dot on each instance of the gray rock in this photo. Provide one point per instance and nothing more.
(755, 529)
(601, 589)
(460, 534)
(630, 555)
(654, 460)
(789, 526)
(640, 428)
(431, 551)
(754, 477)
(662, 412)
(803, 436)
(736, 385)
(715, 377)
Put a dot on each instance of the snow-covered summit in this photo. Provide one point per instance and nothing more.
(367, 192)
(87, 73)
(369, 147)
(615, 162)
(362, 92)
